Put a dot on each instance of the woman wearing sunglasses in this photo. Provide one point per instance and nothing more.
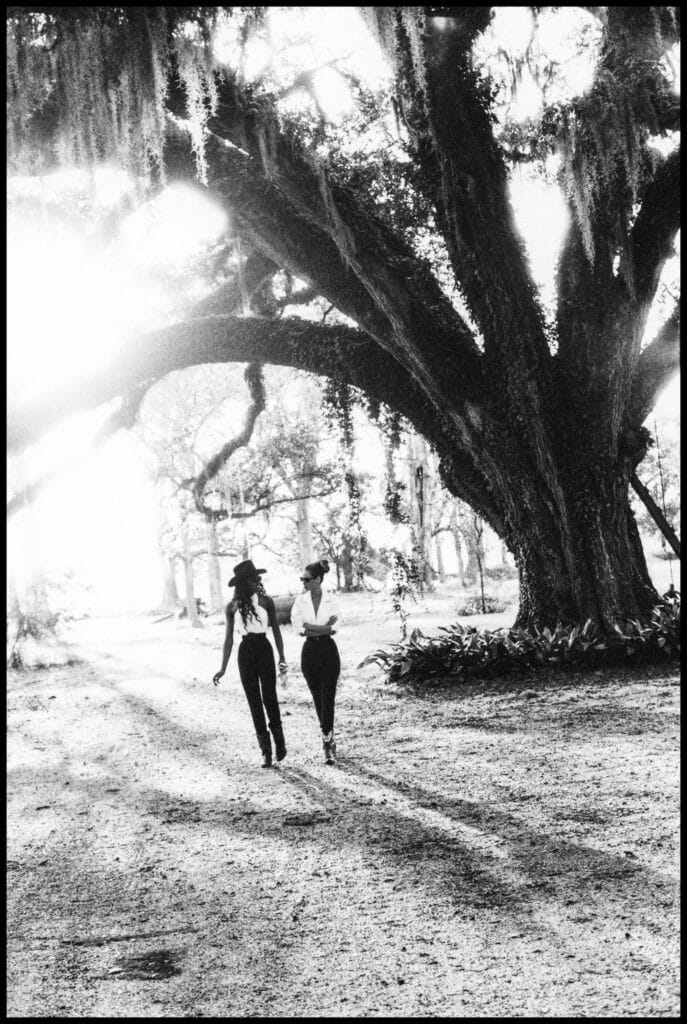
(313, 615)
(255, 655)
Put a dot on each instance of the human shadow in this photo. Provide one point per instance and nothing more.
(449, 866)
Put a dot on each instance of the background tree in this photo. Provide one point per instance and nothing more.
(660, 474)
(536, 413)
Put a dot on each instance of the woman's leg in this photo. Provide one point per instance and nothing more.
(250, 678)
(268, 689)
(330, 669)
(310, 667)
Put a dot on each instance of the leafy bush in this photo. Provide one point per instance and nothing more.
(463, 652)
(473, 604)
(501, 572)
(405, 582)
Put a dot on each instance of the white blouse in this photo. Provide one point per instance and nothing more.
(258, 625)
(303, 611)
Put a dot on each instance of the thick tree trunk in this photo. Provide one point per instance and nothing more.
(601, 575)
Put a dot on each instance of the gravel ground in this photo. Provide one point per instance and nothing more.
(509, 850)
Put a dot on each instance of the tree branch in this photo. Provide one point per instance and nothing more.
(447, 116)
(657, 365)
(322, 234)
(656, 514)
(653, 234)
(212, 467)
(262, 506)
(240, 289)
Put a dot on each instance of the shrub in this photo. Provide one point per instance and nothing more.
(472, 604)
(463, 652)
(499, 573)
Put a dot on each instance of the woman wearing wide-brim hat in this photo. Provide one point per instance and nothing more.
(255, 655)
(313, 615)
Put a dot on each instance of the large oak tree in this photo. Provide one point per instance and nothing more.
(537, 420)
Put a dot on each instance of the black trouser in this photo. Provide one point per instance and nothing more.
(259, 678)
(321, 666)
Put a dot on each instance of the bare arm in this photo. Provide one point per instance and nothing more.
(312, 629)
(268, 605)
(228, 644)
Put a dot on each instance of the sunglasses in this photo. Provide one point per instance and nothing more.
(306, 579)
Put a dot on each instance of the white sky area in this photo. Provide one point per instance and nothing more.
(72, 302)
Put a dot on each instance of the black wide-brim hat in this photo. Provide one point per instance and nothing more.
(243, 571)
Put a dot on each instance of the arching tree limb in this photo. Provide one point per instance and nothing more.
(321, 234)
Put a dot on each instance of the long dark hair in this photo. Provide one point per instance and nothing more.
(243, 598)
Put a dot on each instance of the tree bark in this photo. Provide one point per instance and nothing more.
(457, 535)
(475, 554)
(170, 594)
(602, 575)
(440, 559)
(305, 545)
(656, 514)
(189, 595)
(347, 563)
(214, 573)
(419, 493)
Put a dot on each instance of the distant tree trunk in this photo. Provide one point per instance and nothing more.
(478, 527)
(170, 594)
(189, 595)
(504, 553)
(214, 574)
(440, 559)
(347, 562)
(475, 555)
(457, 535)
(245, 547)
(305, 544)
(419, 478)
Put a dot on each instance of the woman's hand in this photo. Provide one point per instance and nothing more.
(332, 619)
(216, 678)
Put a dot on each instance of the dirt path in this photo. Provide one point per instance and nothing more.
(508, 853)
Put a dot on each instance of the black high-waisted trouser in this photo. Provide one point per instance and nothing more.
(259, 678)
(320, 665)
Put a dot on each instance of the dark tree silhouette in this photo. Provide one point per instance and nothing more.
(538, 423)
